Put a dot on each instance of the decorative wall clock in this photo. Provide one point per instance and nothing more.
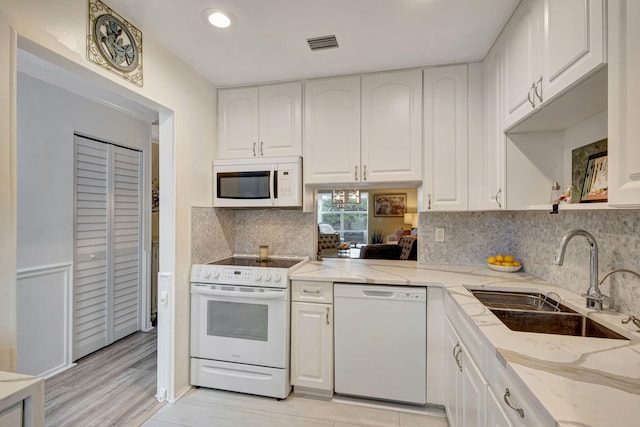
(113, 43)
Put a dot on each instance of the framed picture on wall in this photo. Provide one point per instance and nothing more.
(389, 205)
(596, 179)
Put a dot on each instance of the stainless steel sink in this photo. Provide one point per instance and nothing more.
(554, 323)
(520, 300)
(536, 312)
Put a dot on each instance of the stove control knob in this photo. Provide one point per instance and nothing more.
(206, 273)
(258, 276)
(267, 277)
(276, 277)
(216, 273)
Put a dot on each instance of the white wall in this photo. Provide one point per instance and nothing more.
(171, 87)
(580, 134)
(47, 119)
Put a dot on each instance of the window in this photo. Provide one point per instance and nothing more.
(351, 222)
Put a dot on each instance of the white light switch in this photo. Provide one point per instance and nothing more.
(439, 234)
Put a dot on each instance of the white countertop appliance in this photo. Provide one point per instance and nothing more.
(240, 324)
(381, 342)
(258, 182)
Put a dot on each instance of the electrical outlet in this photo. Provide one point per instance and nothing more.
(439, 234)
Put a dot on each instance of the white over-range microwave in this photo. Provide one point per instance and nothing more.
(258, 182)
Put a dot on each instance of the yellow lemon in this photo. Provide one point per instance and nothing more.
(516, 263)
(498, 263)
(509, 258)
(500, 257)
(507, 264)
(491, 260)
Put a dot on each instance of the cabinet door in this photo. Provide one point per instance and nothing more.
(496, 417)
(332, 131)
(474, 392)
(624, 103)
(521, 50)
(454, 377)
(392, 127)
(312, 345)
(574, 42)
(446, 182)
(280, 120)
(238, 123)
(493, 184)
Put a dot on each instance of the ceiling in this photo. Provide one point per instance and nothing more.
(268, 41)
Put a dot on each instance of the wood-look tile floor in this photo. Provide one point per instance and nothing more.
(213, 408)
(114, 386)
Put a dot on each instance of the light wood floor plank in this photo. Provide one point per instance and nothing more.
(114, 386)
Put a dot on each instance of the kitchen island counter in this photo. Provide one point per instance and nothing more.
(577, 380)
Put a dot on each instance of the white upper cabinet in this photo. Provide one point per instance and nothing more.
(445, 138)
(574, 42)
(521, 37)
(549, 47)
(494, 172)
(392, 126)
(264, 121)
(332, 130)
(624, 103)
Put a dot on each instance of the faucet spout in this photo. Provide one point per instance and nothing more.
(593, 295)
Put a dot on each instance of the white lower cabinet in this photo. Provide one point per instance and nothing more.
(466, 405)
(312, 336)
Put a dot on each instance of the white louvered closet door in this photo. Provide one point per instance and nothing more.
(107, 245)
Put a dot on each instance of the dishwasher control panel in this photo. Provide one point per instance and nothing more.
(416, 296)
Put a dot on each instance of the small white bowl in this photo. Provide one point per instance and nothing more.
(504, 269)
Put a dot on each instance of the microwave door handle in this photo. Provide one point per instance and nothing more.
(247, 295)
(272, 178)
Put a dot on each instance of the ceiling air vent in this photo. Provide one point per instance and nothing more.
(324, 42)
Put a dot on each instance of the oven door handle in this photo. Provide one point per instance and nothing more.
(275, 294)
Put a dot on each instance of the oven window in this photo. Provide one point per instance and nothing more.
(243, 185)
(238, 320)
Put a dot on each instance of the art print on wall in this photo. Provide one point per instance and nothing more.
(389, 205)
(114, 43)
(596, 181)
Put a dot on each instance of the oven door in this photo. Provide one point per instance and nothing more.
(240, 324)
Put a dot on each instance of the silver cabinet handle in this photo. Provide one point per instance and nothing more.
(261, 148)
(428, 200)
(254, 149)
(364, 172)
(355, 175)
(455, 355)
(458, 361)
(498, 197)
(507, 394)
(308, 292)
(328, 311)
(531, 99)
(535, 90)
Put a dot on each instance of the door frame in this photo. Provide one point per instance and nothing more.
(166, 311)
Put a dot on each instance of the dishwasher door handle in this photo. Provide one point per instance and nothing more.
(386, 294)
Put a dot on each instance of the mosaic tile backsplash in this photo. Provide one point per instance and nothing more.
(533, 237)
(217, 233)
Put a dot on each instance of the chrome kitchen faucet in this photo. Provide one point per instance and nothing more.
(594, 296)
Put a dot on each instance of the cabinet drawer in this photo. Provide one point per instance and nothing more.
(519, 396)
(306, 291)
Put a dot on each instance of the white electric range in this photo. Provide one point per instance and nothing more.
(240, 324)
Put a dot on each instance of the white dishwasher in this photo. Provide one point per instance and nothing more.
(381, 342)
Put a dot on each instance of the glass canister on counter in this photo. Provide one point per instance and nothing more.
(567, 194)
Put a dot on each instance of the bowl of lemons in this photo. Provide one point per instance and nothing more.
(504, 263)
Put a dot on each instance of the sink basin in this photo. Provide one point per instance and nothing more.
(554, 323)
(519, 300)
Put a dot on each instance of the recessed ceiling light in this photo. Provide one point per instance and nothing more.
(219, 18)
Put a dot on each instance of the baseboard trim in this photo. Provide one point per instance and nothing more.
(55, 371)
(180, 394)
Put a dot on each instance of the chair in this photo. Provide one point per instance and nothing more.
(406, 249)
(327, 242)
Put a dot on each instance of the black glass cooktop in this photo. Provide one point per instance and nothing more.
(255, 262)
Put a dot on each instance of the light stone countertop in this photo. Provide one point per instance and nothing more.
(15, 388)
(579, 381)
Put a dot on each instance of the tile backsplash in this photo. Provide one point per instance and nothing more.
(533, 237)
(217, 233)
